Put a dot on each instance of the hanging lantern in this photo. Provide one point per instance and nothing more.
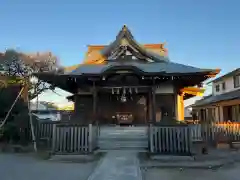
(118, 91)
(112, 91)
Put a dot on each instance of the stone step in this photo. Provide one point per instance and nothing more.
(125, 127)
(114, 138)
(122, 134)
(101, 144)
(134, 149)
(123, 130)
(123, 137)
(123, 149)
(106, 144)
(122, 142)
(122, 146)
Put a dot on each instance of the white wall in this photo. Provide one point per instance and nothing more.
(229, 86)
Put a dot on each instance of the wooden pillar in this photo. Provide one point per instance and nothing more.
(94, 102)
(149, 106)
(179, 106)
(154, 104)
(147, 110)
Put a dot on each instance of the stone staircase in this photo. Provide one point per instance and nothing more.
(123, 138)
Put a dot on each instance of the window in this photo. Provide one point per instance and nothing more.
(217, 88)
(223, 86)
(236, 81)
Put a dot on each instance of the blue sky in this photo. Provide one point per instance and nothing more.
(199, 33)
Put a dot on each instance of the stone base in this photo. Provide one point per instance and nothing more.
(223, 146)
(236, 145)
(199, 146)
(171, 158)
(80, 158)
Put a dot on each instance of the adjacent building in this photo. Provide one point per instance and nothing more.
(224, 103)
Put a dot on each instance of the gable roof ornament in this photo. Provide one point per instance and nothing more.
(125, 38)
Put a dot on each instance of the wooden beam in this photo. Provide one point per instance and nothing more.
(193, 91)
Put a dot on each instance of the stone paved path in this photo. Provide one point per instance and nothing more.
(118, 165)
(23, 167)
(225, 173)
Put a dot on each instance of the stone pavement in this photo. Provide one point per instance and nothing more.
(215, 158)
(25, 167)
(226, 173)
(118, 165)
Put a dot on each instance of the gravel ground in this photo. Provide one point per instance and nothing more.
(22, 167)
(230, 172)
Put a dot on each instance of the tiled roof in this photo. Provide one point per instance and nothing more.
(158, 67)
(217, 98)
(125, 33)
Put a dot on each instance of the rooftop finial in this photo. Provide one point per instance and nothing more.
(124, 27)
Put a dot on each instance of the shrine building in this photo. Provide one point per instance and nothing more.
(126, 82)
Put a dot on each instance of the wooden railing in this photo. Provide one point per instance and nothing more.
(63, 137)
(74, 138)
(170, 139)
(70, 139)
(44, 129)
(211, 132)
(44, 133)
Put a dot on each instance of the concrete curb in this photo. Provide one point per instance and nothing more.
(81, 158)
(189, 165)
(169, 158)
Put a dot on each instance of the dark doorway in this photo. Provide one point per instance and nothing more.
(114, 109)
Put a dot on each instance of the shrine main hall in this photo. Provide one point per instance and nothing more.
(126, 82)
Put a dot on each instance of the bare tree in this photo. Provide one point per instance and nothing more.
(21, 66)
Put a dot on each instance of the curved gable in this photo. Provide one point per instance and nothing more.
(150, 52)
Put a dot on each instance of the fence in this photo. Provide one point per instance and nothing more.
(44, 133)
(215, 132)
(65, 137)
(73, 138)
(170, 139)
(196, 133)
